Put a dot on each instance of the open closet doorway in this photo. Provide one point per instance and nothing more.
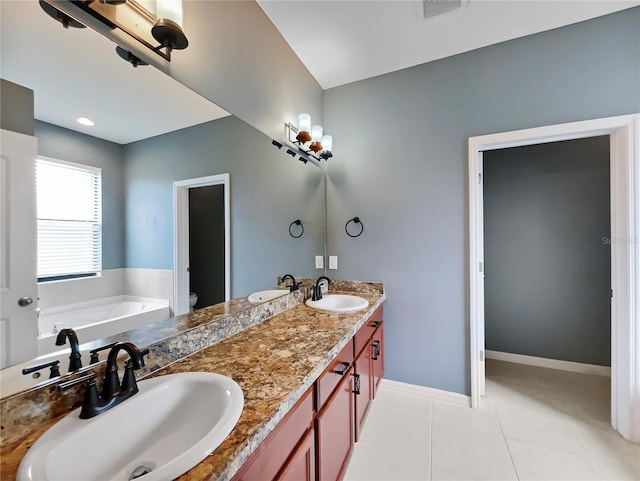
(202, 235)
(624, 138)
(547, 222)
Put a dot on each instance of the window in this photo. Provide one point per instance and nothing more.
(69, 215)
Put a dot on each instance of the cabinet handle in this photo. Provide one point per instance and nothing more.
(376, 350)
(343, 370)
(356, 387)
(375, 324)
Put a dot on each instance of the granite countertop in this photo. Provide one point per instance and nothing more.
(274, 362)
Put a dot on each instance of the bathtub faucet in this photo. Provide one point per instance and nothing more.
(75, 359)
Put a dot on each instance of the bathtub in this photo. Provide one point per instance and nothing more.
(91, 320)
(97, 319)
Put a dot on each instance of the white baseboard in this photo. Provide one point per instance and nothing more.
(549, 363)
(426, 392)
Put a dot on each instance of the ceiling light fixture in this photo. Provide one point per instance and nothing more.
(85, 121)
(309, 139)
(161, 26)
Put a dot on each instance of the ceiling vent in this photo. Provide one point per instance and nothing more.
(432, 8)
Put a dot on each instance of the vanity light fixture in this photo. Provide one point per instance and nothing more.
(162, 26)
(168, 27)
(129, 57)
(59, 16)
(85, 121)
(309, 139)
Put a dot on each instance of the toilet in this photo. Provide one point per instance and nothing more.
(193, 300)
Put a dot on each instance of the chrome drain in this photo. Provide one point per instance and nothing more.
(140, 471)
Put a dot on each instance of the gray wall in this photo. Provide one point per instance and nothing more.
(239, 60)
(548, 263)
(268, 191)
(16, 108)
(64, 144)
(404, 171)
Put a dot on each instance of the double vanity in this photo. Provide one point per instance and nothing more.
(305, 375)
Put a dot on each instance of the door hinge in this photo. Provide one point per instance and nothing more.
(480, 266)
(481, 356)
(611, 293)
(480, 178)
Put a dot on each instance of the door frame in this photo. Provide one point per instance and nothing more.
(624, 133)
(181, 237)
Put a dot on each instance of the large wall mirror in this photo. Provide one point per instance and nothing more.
(151, 132)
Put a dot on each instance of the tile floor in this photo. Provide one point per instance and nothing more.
(535, 424)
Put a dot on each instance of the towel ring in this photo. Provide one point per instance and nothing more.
(296, 222)
(355, 220)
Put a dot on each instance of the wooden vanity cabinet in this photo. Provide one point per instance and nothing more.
(333, 375)
(363, 386)
(377, 356)
(314, 441)
(301, 466)
(283, 451)
(334, 431)
(369, 366)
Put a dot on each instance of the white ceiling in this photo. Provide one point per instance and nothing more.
(348, 40)
(76, 73)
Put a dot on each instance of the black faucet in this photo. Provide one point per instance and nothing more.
(54, 370)
(113, 393)
(317, 289)
(95, 357)
(294, 284)
(75, 359)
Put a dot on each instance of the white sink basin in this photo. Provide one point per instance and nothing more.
(264, 296)
(339, 303)
(169, 426)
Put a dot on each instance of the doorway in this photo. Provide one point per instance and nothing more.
(208, 200)
(206, 245)
(624, 137)
(547, 221)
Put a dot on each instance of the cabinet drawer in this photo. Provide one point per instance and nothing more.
(331, 377)
(366, 331)
(265, 463)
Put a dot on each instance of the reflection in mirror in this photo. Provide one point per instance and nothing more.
(150, 132)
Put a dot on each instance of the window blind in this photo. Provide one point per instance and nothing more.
(69, 216)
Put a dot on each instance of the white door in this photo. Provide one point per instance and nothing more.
(18, 281)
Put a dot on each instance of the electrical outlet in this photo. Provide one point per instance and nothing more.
(333, 262)
(319, 262)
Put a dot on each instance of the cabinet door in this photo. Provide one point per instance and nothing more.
(273, 453)
(363, 386)
(302, 464)
(377, 356)
(334, 429)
